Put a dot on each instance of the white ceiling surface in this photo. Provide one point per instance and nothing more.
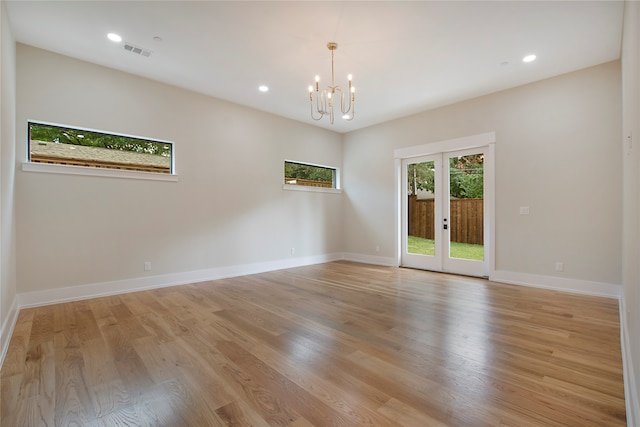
(405, 57)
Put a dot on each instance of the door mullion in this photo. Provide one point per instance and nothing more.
(444, 204)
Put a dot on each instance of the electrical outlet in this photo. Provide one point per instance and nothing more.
(147, 266)
(559, 266)
(377, 248)
(293, 251)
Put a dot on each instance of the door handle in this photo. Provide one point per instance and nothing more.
(446, 226)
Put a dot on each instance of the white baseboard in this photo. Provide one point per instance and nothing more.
(370, 259)
(75, 293)
(631, 397)
(578, 286)
(7, 328)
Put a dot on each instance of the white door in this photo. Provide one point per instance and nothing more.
(422, 214)
(444, 214)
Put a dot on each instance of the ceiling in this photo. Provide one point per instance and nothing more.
(405, 57)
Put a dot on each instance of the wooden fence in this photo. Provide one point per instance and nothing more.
(308, 182)
(466, 219)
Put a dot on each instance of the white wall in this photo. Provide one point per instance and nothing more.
(557, 151)
(631, 206)
(227, 209)
(7, 168)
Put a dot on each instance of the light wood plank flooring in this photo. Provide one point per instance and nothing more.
(337, 344)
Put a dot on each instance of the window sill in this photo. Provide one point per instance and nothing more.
(311, 189)
(103, 172)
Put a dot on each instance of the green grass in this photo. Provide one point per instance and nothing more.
(418, 245)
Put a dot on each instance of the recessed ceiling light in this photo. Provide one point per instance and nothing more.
(263, 88)
(529, 58)
(114, 37)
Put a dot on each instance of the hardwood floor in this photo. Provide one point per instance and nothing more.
(337, 344)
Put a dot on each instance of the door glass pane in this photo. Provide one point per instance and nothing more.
(466, 207)
(421, 208)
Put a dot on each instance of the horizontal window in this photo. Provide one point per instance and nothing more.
(63, 145)
(308, 175)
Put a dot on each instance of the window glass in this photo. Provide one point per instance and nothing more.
(309, 175)
(62, 145)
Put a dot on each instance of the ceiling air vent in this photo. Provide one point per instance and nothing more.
(137, 50)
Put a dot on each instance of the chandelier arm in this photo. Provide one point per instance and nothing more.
(311, 108)
(349, 113)
(346, 111)
(353, 110)
(331, 112)
(339, 89)
(321, 104)
(318, 96)
(343, 109)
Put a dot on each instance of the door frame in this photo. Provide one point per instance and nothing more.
(474, 141)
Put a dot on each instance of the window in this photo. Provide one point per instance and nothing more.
(62, 145)
(308, 175)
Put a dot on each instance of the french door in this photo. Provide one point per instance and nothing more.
(444, 213)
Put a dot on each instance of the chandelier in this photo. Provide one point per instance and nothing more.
(325, 99)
